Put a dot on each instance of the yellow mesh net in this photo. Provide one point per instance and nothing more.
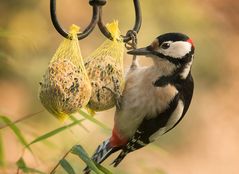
(65, 87)
(105, 70)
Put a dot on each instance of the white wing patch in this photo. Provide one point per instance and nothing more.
(176, 115)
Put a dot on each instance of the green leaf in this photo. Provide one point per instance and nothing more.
(67, 167)
(1, 151)
(92, 119)
(81, 125)
(15, 129)
(54, 132)
(103, 169)
(22, 166)
(79, 151)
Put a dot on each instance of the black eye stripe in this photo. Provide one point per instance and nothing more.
(165, 45)
(180, 61)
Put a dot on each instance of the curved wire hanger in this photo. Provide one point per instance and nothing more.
(137, 25)
(89, 28)
(96, 18)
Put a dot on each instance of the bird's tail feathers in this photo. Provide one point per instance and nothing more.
(102, 152)
(121, 156)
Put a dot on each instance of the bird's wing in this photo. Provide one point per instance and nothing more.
(187, 90)
(150, 127)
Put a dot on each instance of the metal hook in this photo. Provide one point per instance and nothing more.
(96, 17)
(88, 29)
(137, 25)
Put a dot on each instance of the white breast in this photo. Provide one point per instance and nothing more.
(141, 99)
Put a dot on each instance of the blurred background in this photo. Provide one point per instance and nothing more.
(206, 141)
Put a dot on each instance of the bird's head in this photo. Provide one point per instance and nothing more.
(176, 48)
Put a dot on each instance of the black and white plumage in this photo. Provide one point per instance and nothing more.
(155, 98)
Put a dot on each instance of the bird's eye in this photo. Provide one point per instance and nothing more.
(165, 46)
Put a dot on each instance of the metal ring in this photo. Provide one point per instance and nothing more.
(137, 25)
(61, 31)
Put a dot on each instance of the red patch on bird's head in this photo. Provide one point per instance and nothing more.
(190, 41)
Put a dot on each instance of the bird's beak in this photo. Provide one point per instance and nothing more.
(140, 51)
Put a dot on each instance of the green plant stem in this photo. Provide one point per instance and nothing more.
(21, 119)
(57, 165)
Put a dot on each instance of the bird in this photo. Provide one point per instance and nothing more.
(155, 97)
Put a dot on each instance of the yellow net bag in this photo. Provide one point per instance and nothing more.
(65, 87)
(105, 70)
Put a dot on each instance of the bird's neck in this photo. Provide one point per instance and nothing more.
(185, 69)
(169, 73)
(163, 68)
(166, 68)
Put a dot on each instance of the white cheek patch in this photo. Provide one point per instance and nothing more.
(177, 49)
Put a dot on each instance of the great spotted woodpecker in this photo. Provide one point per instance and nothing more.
(155, 98)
